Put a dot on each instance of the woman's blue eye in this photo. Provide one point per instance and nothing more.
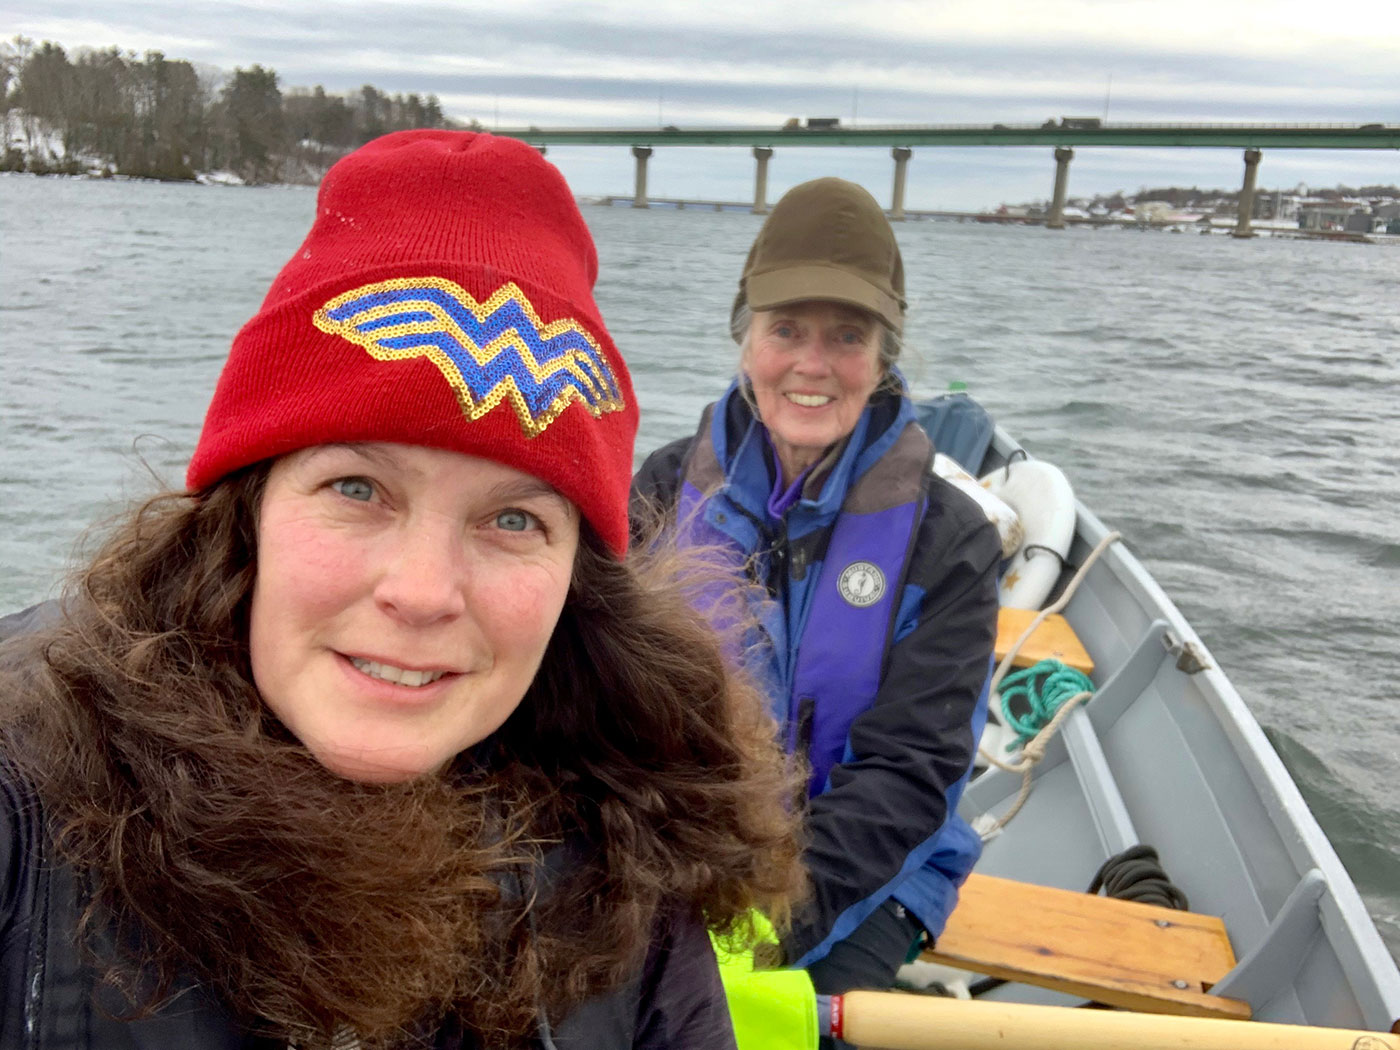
(514, 520)
(354, 488)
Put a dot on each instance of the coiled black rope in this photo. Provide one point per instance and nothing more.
(1137, 874)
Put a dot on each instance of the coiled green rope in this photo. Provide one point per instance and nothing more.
(1044, 688)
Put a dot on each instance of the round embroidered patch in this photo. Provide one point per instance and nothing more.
(861, 584)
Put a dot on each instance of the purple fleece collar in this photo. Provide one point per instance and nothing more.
(782, 499)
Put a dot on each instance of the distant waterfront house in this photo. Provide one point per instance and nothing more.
(1387, 216)
(1360, 221)
(1325, 215)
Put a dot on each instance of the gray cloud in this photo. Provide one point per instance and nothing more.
(635, 65)
(897, 78)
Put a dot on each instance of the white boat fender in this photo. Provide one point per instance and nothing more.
(1042, 498)
(998, 512)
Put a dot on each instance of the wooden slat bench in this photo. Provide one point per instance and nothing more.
(1054, 639)
(1120, 953)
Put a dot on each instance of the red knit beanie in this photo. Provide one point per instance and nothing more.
(444, 297)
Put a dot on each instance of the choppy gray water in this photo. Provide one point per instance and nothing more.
(1232, 407)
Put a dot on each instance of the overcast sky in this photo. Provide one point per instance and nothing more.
(630, 63)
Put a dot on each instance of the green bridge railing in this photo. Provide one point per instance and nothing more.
(1068, 132)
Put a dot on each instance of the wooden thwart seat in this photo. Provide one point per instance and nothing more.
(1054, 639)
(1120, 953)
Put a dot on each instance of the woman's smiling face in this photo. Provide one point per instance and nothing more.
(404, 600)
(813, 367)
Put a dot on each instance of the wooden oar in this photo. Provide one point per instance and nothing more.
(891, 1021)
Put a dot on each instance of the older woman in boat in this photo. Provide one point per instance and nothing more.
(371, 737)
(880, 578)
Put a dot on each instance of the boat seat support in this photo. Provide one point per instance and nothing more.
(1274, 962)
(1106, 806)
(1142, 664)
(997, 787)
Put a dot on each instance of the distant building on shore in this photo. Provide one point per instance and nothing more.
(1323, 215)
(1350, 216)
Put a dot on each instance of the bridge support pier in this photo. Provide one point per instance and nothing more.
(1056, 221)
(760, 179)
(901, 155)
(639, 195)
(1251, 170)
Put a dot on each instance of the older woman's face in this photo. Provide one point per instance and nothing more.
(404, 600)
(813, 367)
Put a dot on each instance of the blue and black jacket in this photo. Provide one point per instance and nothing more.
(881, 618)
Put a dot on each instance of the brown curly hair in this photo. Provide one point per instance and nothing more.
(638, 772)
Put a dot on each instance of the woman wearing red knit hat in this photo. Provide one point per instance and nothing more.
(372, 737)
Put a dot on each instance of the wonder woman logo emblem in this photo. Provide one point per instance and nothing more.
(488, 352)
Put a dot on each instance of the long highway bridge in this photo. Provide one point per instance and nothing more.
(1063, 135)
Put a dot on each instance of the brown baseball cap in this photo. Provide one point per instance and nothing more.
(827, 239)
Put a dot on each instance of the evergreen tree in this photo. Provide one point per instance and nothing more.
(252, 123)
(171, 107)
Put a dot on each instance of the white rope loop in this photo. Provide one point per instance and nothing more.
(1034, 750)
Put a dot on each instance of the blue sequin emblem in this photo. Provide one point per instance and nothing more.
(489, 352)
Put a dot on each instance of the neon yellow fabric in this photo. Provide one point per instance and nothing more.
(771, 1009)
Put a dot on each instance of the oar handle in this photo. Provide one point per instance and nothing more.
(893, 1021)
